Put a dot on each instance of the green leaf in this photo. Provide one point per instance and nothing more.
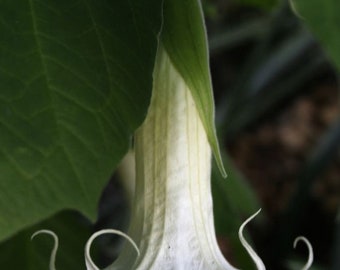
(184, 39)
(76, 81)
(323, 19)
(19, 252)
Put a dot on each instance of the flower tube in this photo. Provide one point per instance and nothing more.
(172, 220)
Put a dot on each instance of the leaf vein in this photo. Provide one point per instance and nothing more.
(76, 134)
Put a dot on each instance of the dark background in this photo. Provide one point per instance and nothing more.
(277, 112)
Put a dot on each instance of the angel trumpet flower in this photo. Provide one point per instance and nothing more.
(172, 221)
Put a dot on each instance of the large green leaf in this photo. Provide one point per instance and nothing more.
(184, 39)
(323, 19)
(75, 81)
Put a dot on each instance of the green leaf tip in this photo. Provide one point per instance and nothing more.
(185, 40)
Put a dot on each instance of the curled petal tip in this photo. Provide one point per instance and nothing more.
(257, 260)
(90, 265)
(55, 237)
(240, 231)
(310, 251)
(55, 247)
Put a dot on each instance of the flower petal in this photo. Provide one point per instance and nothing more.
(257, 260)
(310, 251)
(88, 261)
(55, 248)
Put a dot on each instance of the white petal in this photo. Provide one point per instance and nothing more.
(310, 251)
(55, 248)
(257, 260)
(88, 261)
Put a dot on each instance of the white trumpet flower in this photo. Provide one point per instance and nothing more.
(172, 220)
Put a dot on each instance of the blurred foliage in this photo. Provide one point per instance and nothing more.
(323, 20)
(267, 4)
(272, 56)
